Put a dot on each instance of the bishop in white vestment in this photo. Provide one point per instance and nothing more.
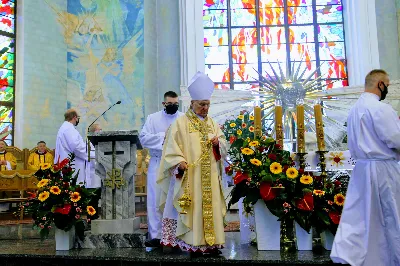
(70, 141)
(152, 138)
(369, 229)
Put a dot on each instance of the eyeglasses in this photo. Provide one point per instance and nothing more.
(171, 104)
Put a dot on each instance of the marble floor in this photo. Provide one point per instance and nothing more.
(36, 252)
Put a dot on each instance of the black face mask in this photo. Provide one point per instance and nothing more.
(384, 92)
(171, 109)
(77, 122)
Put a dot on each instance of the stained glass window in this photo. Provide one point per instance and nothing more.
(243, 38)
(7, 69)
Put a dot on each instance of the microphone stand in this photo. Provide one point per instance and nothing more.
(87, 138)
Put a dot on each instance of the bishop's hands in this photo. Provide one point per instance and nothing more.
(215, 141)
(3, 162)
(182, 167)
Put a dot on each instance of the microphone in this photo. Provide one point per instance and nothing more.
(119, 102)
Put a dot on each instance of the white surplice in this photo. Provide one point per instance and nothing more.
(152, 138)
(92, 179)
(369, 229)
(70, 141)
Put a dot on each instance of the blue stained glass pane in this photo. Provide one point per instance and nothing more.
(243, 4)
(272, 35)
(272, 16)
(215, 4)
(328, 2)
(215, 37)
(300, 15)
(244, 72)
(332, 50)
(218, 73)
(299, 2)
(329, 14)
(271, 3)
(301, 34)
(215, 18)
(243, 17)
(273, 53)
(331, 32)
(216, 55)
(242, 36)
(244, 54)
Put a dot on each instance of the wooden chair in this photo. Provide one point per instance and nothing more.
(19, 155)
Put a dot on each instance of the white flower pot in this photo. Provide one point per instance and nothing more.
(65, 240)
(246, 225)
(303, 239)
(268, 228)
(327, 239)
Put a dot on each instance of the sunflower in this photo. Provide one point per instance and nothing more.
(247, 151)
(44, 166)
(43, 182)
(232, 124)
(318, 192)
(251, 129)
(306, 179)
(43, 196)
(55, 190)
(248, 139)
(90, 210)
(241, 117)
(292, 173)
(339, 199)
(251, 118)
(239, 132)
(254, 143)
(275, 168)
(256, 162)
(75, 197)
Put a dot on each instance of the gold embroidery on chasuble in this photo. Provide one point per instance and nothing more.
(197, 125)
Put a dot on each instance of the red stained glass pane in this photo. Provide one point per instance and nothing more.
(244, 54)
(272, 35)
(272, 16)
(7, 19)
(243, 4)
(333, 69)
(302, 52)
(243, 36)
(271, 3)
(245, 72)
(299, 2)
(214, 4)
(332, 51)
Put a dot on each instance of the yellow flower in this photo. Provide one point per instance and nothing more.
(240, 117)
(292, 173)
(232, 124)
(251, 118)
(248, 139)
(339, 199)
(55, 190)
(43, 196)
(275, 168)
(254, 143)
(44, 166)
(256, 162)
(306, 179)
(90, 210)
(251, 129)
(247, 151)
(318, 192)
(75, 197)
(43, 182)
(239, 132)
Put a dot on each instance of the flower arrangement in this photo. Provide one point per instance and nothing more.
(240, 127)
(59, 200)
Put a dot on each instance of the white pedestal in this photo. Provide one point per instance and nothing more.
(65, 240)
(303, 239)
(268, 228)
(327, 240)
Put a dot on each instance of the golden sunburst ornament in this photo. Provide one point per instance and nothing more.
(336, 158)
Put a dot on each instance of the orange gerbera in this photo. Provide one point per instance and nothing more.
(318, 192)
(90, 210)
(251, 129)
(339, 199)
(75, 197)
(55, 190)
(275, 168)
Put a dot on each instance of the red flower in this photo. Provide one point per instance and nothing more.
(5, 2)
(66, 171)
(278, 146)
(337, 183)
(64, 210)
(239, 177)
(267, 192)
(261, 149)
(228, 170)
(272, 156)
(292, 164)
(232, 139)
(328, 185)
(66, 185)
(285, 168)
(306, 203)
(60, 165)
(335, 217)
(78, 189)
(301, 171)
(317, 178)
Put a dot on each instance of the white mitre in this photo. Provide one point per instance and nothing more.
(201, 87)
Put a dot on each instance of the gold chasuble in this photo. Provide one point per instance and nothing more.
(188, 139)
(35, 159)
(6, 156)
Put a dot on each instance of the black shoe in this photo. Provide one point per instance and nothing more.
(154, 243)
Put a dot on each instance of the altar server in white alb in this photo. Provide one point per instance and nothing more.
(369, 229)
(70, 141)
(152, 138)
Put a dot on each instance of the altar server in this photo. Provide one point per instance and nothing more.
(152, 138)
(369, 229)
(70, 141)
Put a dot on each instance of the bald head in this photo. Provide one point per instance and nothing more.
(376, 81)
(71, 115)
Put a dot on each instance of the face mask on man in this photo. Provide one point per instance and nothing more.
(77, 122)
(171, 108)
(384, 92)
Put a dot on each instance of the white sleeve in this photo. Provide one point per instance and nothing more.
(149, 139)
(76, 144)
(387, 126)
(8, 166)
